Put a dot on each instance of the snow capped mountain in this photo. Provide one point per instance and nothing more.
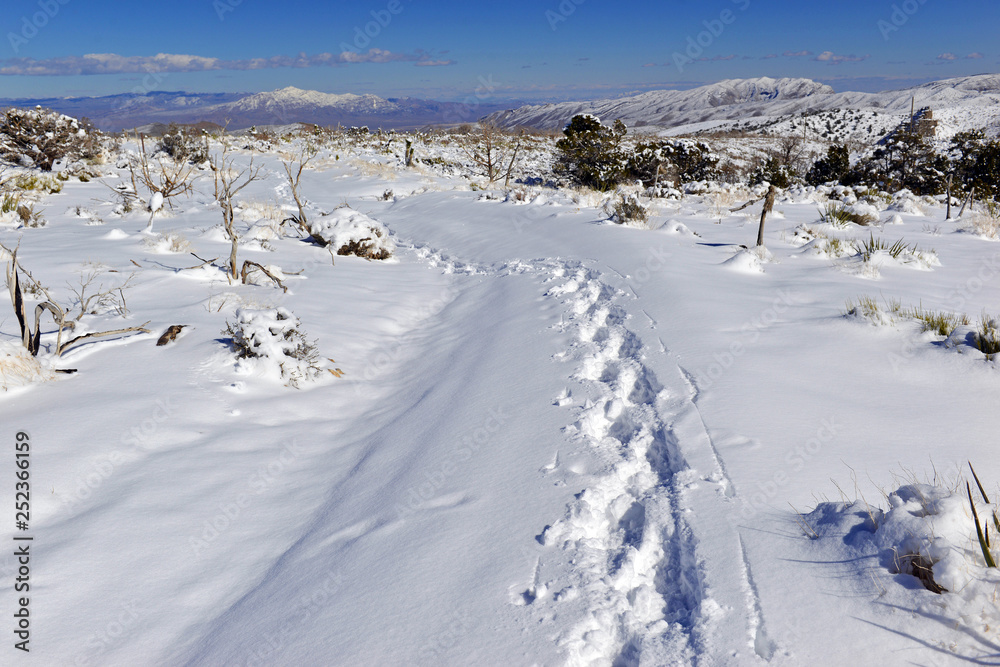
(293, 99)
(959, 103)
(240, 110)
(665, 108)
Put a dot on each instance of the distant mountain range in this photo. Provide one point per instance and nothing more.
(280, 107)
(961, 103)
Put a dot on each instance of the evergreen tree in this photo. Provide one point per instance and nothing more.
(591, 153)
(833, 167)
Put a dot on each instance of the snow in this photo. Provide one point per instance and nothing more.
(533, 436)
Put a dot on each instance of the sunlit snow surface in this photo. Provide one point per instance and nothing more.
(552, 440)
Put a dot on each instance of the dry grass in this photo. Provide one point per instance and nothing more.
(18, 368)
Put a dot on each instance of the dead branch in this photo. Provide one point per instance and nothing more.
(247, 265)
(305, 156)
(228, 183)
(100, 334)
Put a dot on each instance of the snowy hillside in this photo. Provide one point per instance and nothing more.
(666, 108)
(293, 100)
(962, 103)
(531, 436)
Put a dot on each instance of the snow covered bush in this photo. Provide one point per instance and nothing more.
(349, 232)
(184, 145)
(272, 339)
(674, 162)
(40, 137)
(627, 210)
(591, 154)
(775, 173)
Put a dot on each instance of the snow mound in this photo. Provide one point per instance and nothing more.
(349, 232)
(678, 228)
(168, 243)
(925, 539)
(269, 342)
(749, 260)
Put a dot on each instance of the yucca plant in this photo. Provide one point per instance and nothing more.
(983, 536)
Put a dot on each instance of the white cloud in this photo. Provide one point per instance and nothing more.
(111, 63)
(834, 59)
(947, 56)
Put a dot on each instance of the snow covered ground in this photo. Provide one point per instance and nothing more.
(550, 439)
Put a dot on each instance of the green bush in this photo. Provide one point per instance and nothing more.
(676, 161)
(591, 154)
(774, 172)
(833, 167)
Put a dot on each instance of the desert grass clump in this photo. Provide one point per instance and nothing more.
(839, 215)
(835, 214)
(30, 217)
(988, 337)
(9, 203)
(37, 182)
(869, 309)
(628, 210)
(939, 322)
(982, 223)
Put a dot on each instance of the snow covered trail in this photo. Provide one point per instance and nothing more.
(426, 483)
(658, 565)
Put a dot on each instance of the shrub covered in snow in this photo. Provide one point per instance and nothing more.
(627, 210)
(184, 145)
(673, 161)
(272, 338)
(349, 232)
(775, 173)
(591, 154)
(40, 137)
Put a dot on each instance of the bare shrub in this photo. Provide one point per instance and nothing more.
(493, 151)
(40, 137)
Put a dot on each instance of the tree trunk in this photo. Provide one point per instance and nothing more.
(768, 207)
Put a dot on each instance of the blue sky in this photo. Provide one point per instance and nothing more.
(548, 50)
